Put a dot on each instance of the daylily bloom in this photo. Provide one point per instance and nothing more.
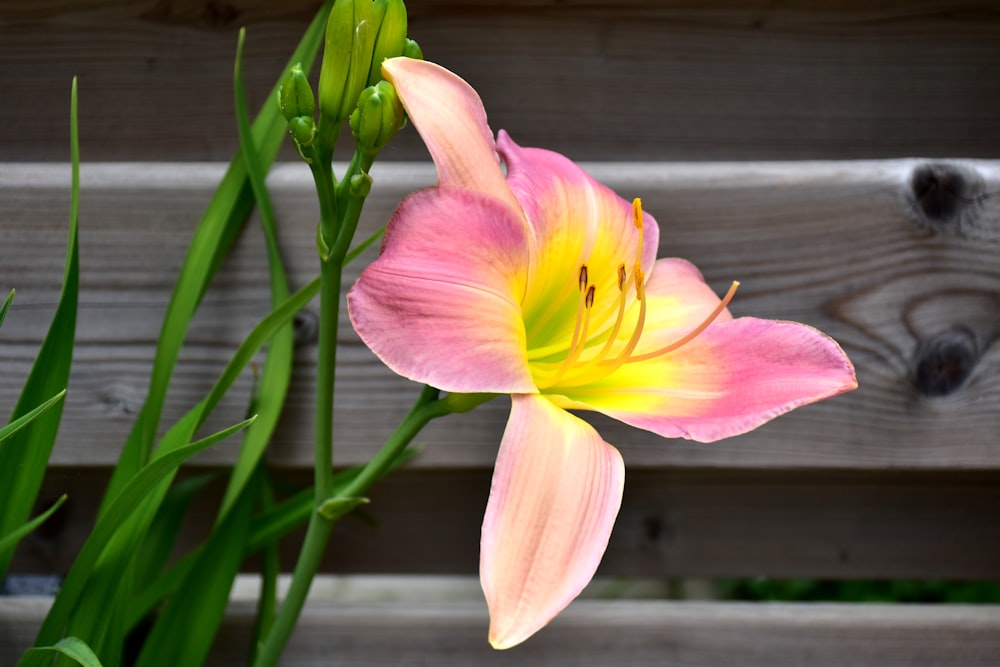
(519, 274)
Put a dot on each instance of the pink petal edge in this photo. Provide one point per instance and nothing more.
(557, 488)
(450, 117)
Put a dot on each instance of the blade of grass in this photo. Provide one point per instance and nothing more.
(125, 503)
(10, 429)
(153, 553)
(277, 371)
(88, 620)
(225, 214)
(272, 524)
(197, 609)
(6, 306)
(25, 455)
(71, 647)
(270, 568)
(8, 542)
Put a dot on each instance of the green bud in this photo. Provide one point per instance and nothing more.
(303, 130)
(391, 37)
(297, 105)
(295, 97)
(412, 50)
(347, 57)
(361, 185)
(378, 117)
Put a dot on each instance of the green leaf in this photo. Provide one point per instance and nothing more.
(153, 553)
(8, 542)
(272, 524)
(277, 371)
(71, 647)
(196, 610)
(25, 455)
(22, 421)
(119, 510)
(219, 227)
(6, 306)
(335, 508)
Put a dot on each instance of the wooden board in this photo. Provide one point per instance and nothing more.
(636, 634)
(597, 80)
(673, 524)
(838, 245)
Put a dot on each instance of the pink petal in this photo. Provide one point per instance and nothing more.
(678, 297)
(576, 221)
(731, 379)
(450, 118)
(557, 488)
(441, 304)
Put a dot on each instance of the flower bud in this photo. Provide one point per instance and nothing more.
(412, 50)
(347, 57)
(391, 37)
(295, 97)
(297, 105)
(378, 117)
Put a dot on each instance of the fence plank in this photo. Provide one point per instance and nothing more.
(636, 634)
(673, 523)
(831, 244)
(596, 80)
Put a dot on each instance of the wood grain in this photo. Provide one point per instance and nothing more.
(637, 634)
(673, 524)
(834, 245)
(595, 80)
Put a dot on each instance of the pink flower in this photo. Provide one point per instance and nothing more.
(538, 282)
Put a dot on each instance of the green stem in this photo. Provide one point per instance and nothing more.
(427, 407)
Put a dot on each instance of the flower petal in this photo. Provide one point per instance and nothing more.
(730, 379)
(557, 488)
(450, 118)
(677, 296)
(441, 303)
(576, 221)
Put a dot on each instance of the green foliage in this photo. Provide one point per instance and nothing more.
(124, 578)
(71, 647)
(25, 453)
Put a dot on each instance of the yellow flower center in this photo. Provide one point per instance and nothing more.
(591, 358)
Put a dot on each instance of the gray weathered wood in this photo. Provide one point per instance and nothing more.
(673, 523)
(831, 244)
(636, 633)
(597, 80)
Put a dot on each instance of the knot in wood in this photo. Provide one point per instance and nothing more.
(305, 327)
(943, 362)
(945, 197)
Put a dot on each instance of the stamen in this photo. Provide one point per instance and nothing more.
(687, 338)
(640, 295)
(579, 340)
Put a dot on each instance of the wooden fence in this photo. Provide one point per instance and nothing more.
(796, 147)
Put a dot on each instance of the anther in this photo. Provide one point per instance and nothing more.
(589, 301)
(583, 278)
(637, 212)
(622, 277)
